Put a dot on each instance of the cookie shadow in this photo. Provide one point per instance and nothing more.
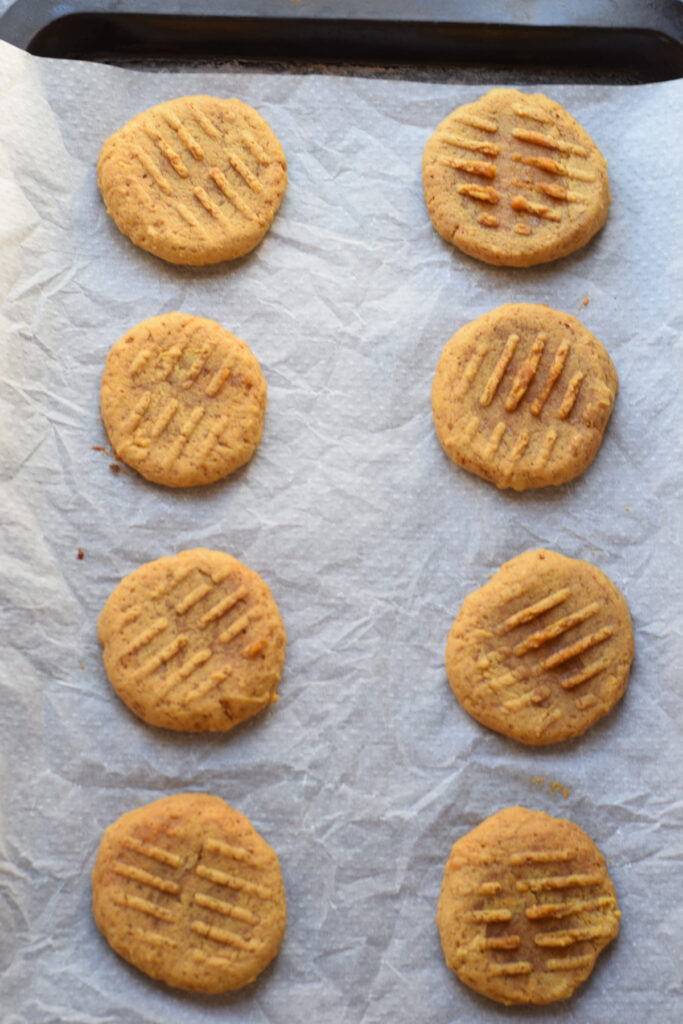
(493, 275)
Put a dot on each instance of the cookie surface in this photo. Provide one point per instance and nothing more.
(182, 400)
(543, 650)
(512, 179)
(522, 395)
(193, 642)
(187, 890)
(526, 907)
(196, 180)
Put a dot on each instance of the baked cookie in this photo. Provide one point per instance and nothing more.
(187, 890)
(526, 907)
(196, 180)
(194, 642)
(182, 400)
(543, 650)
(522, 396)
(512, 179)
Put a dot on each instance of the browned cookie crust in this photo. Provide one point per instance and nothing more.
(195, 180)
(512, 179)
(187, 891)
(522, 396)
(194, 642)
(183, 400)
(526, 907)
(543, 650)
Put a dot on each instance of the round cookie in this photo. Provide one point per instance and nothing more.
(522, 396)
(526, 906)
(187, 890)
(182, 400)
(194, 642)
(543, 650)
(513, 180)
(196, 180)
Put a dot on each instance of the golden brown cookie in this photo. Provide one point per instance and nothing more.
(194, 642)
(183, 400)
(195, 180)
(543, 650)
(526, 907)
(522, 396)
(512, 179)
(187, 890)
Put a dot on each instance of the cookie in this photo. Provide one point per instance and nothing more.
(513, 180)
(543, 650)
(182, 400)
(194, 642)
(526, 907)
(196, 180)
(187, 890)
(522, 396)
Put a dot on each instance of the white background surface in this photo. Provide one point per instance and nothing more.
(367, 770)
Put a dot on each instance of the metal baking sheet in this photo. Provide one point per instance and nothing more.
(367, 770)
(588, 40)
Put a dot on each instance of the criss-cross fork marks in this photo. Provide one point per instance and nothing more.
(148, 423)
(189, 423)
(233, 861)
(539, 454)
(564, 938)
(525, 375)
(236, 149)
(138, 876)
(193, 683)
(221, 916)
(535, 640)
(556, 629)
(534, 130)
(169, 361)
(552, 190)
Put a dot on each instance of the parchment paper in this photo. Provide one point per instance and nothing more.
(367, 770)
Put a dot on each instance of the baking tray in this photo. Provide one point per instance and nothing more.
(587, 40)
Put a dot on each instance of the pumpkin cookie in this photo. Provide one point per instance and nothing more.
(194, 642)
(196, 180)
(182, 400)
(522, 396)
(543, 650)
(526, 907)
(187, 890)
(512, 179)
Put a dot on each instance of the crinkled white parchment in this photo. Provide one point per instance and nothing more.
(367, 770)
